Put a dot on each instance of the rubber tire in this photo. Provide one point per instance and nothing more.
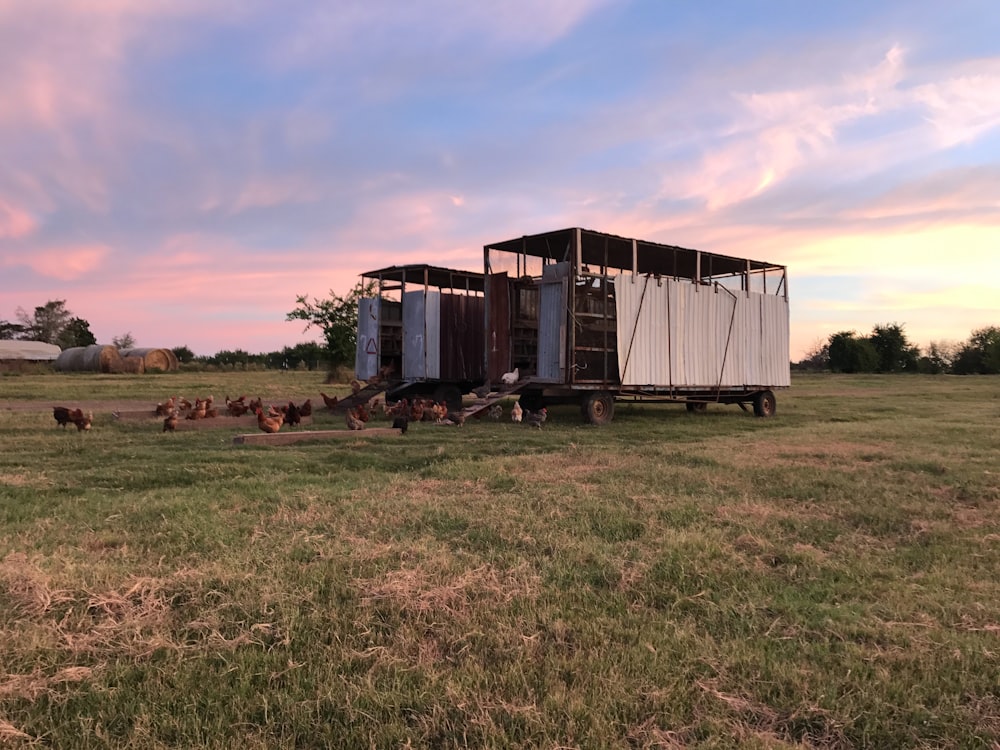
(699, 407)
(451, 395)
(598, 408)
(765, 404)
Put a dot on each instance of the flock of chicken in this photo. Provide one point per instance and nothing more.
(273, 418)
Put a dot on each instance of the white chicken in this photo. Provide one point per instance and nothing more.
(509, 378)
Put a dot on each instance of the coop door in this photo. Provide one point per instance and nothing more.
(366, 359)
(552, 323)
(421, 335)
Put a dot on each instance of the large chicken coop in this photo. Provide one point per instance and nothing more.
(590, 317)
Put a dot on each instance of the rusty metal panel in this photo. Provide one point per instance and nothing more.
(366, 361)
(461, 337)
(498, 332)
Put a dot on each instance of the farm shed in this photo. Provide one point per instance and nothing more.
(425, 323)
(163, 360)
(592, 317)
(93, 358)
(32, 351)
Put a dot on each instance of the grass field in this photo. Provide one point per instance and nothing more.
(826, 578)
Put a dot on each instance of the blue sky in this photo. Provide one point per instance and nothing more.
(183, 170)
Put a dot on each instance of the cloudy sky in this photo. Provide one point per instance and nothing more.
(181, 170)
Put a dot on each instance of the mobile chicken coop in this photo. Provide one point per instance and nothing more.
(421, 333)
(583, 317)
(590, 317)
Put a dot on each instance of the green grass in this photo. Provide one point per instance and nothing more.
(825, 578)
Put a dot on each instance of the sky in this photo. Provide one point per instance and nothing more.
(183, 170)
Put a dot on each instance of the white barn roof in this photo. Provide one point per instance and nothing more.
(31, 350)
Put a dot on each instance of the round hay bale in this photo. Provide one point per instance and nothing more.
(133, 365)
(163, 360)
(93, 358)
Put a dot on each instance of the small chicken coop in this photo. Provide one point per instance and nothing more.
(592, 318)
(424, 327)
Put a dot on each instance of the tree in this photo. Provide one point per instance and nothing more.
(980, 354)
(337, 317)
(76, 333)
(849, 353)
(47, 322)
(125, 341)
(10, 330)
(816, 359)
(184, 354)
(894, 352)
(938, 359)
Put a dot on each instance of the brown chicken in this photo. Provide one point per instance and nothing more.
(362, 413)
(62, 415)
(306, 409)
(292, 415)
(237, 407)
(255, 404)
(353, 422)
(416, 410)
(269, 424)
(330, 401)
(439, 411)
(82, 421)
(163, 409)
(170, 422)
(199, 409)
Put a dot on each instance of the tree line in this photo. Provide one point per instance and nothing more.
(887, 349)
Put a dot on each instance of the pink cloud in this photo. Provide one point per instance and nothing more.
(15, 222)
(63, 263)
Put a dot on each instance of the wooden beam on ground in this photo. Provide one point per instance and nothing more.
(287, 438)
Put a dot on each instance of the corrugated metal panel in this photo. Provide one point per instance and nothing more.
(552, 330)
(679, 334)
(432, 328)
(366, 359)
(461, 337)
(498, 345)
(414, 364)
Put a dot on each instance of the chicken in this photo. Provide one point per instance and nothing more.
(83, 421)
(536, 418)
(237, 407)
(269, 424)
(509, 378)
(170, 422)
(457, 417)
(496, 411)
(362, 413)
(164, 408)
(330, 401)
(292, 415)
(516, 412)
(62, 415)
(483, 391)
(400, 408)
(255, 404)
(211, 413)
(306, 409)
(401, 423)
(184, 403)
(356, 386)
(352, 420)
(199, 410)
(439, 411)
(416, 410)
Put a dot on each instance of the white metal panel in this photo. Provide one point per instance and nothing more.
(432, 328)
(674, 333)
(414, 366)
(366, 359)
